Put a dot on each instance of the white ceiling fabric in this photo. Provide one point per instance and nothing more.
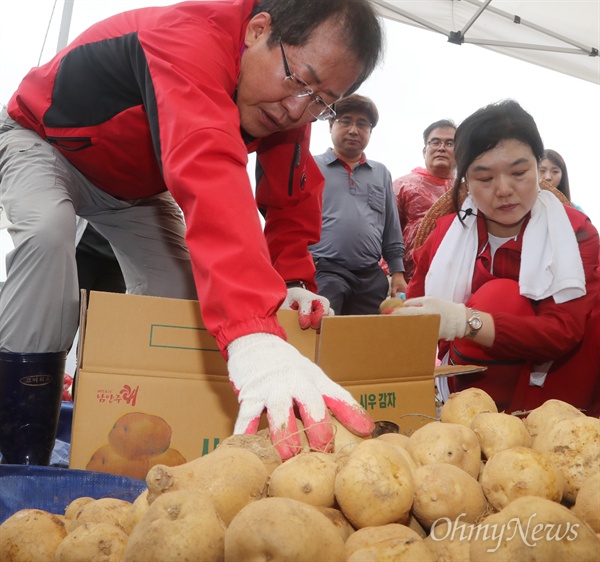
(562, 35)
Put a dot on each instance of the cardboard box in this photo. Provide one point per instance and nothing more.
(153, 356)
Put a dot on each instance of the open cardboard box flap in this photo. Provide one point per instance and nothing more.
(357, 348)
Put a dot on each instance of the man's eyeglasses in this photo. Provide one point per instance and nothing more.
(295, 86)
(436, 143)
(346, 123)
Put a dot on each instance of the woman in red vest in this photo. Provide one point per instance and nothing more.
(512, 271)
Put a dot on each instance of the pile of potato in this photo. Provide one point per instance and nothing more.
(477, 485)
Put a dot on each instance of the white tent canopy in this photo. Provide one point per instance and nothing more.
(562, 35)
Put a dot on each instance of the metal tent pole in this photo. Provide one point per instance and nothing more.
(65, 24)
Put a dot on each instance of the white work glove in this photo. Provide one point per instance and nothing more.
(269, 374)
(453, 316)
(311, 308)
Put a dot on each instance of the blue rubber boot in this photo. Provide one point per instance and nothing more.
(30, 399)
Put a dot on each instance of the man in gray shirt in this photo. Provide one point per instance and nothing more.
(360, 217)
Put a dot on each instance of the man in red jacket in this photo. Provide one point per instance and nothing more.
(417, 191)
(150, 114)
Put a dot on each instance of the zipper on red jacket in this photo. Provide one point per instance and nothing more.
(295, 164)
(59, 142)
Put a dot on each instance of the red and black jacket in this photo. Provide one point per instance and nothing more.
(143, 102)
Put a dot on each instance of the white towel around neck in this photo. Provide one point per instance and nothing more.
(550, 260)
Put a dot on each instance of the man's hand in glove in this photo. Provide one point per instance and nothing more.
(311, 308)
(269, 374)
(453, 316)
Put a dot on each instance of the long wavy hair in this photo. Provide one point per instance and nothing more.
(559, 161)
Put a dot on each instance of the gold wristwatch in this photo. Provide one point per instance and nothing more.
(474, 323)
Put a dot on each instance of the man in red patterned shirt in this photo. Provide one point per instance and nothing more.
(418, 191)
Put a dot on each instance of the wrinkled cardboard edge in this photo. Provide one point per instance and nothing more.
(83, 302)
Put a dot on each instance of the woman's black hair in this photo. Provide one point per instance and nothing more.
(485, 129)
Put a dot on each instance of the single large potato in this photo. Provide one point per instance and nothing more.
(308, 477)
(548, 415)
(534, 529)
(74, 506)
(499, 431)
(137, 434)
(573, 445)
(93, 542)
(231, 476)
(179, 526)
(282, 530)
(31, 535)
(105, 510)
(520, 471)
(375, 486)
(445, 492)
(448, 443)
(387, 543)
(462, 407)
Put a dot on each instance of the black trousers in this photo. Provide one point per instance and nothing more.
(351, 292)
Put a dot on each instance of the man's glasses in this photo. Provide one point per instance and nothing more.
(436, 143)
(361, 124)
(295, 86)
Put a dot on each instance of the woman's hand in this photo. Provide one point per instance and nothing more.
(453, 316)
